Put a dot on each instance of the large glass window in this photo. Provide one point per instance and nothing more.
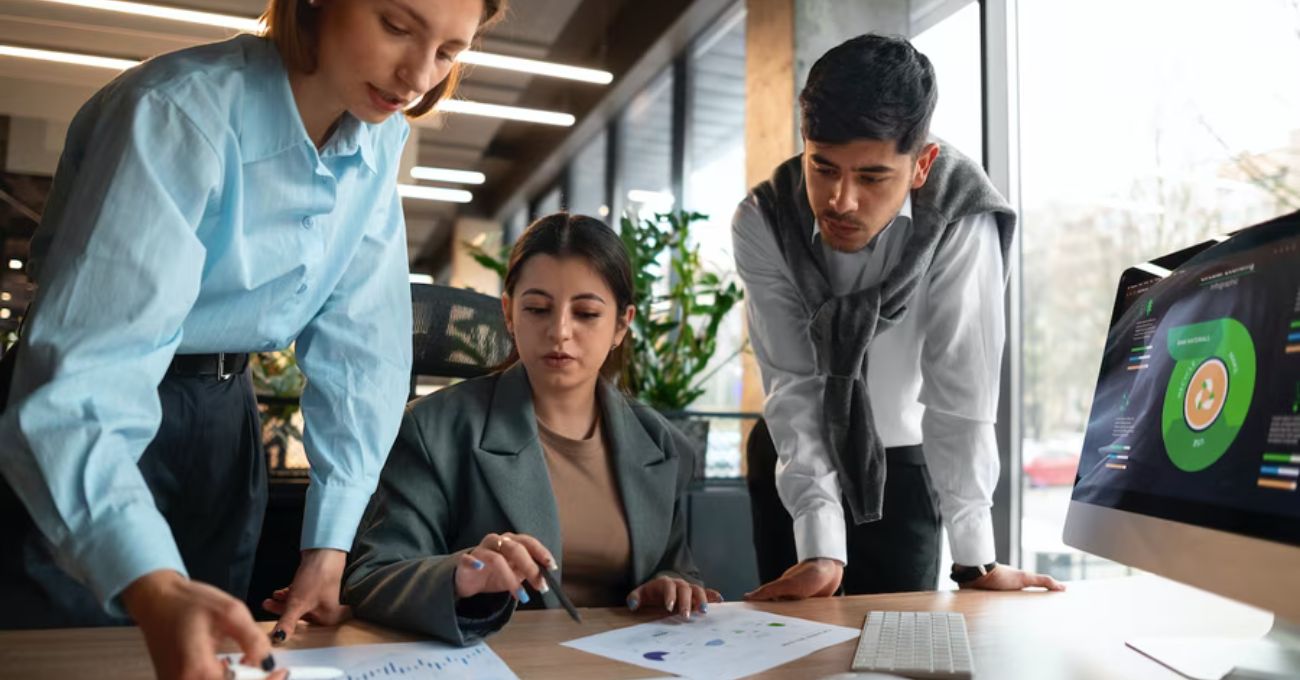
(587, 179)
(715, 184)
(953, 47)
(645, 151)
(551, 202)
(1184, 125)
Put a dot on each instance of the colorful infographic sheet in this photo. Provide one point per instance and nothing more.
(402, 660)
(731, 641)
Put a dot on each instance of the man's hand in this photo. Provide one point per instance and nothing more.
(818, 577)
(1010, 578)
(183, 621)
(313, 595)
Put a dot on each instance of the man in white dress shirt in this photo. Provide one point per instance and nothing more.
(874, 264)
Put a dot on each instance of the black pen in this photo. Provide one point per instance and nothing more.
(559, 594)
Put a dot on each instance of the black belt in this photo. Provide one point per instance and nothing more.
(220, 365)
(907, 455)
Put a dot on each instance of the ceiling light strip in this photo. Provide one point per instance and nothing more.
(434, 193)
(508, 112)
(533, 66)
(239, 23)
(171, 13)
(447, 175)
(67, 57)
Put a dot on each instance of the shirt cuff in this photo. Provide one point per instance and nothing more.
(122, 547)
(332, 516)
(820, 533)
(971, 539)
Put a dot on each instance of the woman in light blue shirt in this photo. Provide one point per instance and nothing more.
(220, 200)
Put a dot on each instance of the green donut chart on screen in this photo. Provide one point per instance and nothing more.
(1209, 392)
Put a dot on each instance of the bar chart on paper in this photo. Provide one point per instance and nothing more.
(409, 660)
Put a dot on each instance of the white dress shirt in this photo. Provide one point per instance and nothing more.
(933, 378)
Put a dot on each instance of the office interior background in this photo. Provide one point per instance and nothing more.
(1120, 129)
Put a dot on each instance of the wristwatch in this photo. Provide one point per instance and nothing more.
(964, 574)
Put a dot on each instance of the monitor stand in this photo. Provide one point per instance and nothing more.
(1276, 656)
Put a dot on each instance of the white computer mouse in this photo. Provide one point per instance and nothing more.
(863, 676)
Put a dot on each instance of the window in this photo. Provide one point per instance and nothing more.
(550, 202)
(587, 178)
(715, 184)
(1184, 125)
(645, 151)
(953, 47)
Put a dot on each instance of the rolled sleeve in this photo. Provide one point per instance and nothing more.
(961, 371)
(356, 354)
(778, 330)
(132, 188)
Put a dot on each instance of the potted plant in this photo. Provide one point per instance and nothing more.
(278, 382)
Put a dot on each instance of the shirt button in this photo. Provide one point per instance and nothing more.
(308, 221)
(302, 288)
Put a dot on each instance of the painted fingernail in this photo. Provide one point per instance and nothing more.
(522, 595)
(476, 564)
(633, 603)
(268, 664)
(544, 588)
(550, 564)
(704, 607)
(278, 635)
(669, 605)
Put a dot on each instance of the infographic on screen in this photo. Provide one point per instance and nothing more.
(1196, 416)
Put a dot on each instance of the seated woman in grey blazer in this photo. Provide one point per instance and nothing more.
(545, 464)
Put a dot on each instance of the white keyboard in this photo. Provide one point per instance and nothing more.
(915, 645)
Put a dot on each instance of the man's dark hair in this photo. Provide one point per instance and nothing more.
(870, 87)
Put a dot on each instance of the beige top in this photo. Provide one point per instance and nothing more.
(597, 555)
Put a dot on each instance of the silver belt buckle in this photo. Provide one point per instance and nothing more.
(222, 375)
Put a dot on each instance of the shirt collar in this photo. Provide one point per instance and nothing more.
(904, 216)
(271, 122)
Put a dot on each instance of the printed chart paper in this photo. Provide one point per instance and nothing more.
(731, 641)
(400, 660)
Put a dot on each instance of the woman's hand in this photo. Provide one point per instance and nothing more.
(502, 563)
(677, 595)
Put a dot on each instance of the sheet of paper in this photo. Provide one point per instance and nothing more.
(401, 660)
(731, 641)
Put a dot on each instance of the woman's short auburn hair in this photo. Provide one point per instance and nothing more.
(291, 25)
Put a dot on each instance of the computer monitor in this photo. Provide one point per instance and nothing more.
(1191, 458)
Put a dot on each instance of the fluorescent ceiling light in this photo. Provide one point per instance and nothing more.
(448, 175)
(421, 278)
(67, 58)
(541, 68)
(15, 264)
(507, 112)
(434, 193)
(239, 23)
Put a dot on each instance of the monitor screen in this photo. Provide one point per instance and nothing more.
(1196, 417)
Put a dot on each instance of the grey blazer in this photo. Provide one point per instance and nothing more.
(467, 462)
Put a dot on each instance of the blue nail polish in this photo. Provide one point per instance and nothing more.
(522, 595)
(633, 603)
(268, 664)
(704, 607)
(476, 564)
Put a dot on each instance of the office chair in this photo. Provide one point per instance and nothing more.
(458, 333)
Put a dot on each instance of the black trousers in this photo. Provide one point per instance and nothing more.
(898, 553)
(207, 473)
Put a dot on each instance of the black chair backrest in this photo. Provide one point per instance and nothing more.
(459, 333)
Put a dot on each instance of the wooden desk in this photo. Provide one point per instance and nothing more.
(1078, 634)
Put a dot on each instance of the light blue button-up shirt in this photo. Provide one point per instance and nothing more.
(191, 213)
